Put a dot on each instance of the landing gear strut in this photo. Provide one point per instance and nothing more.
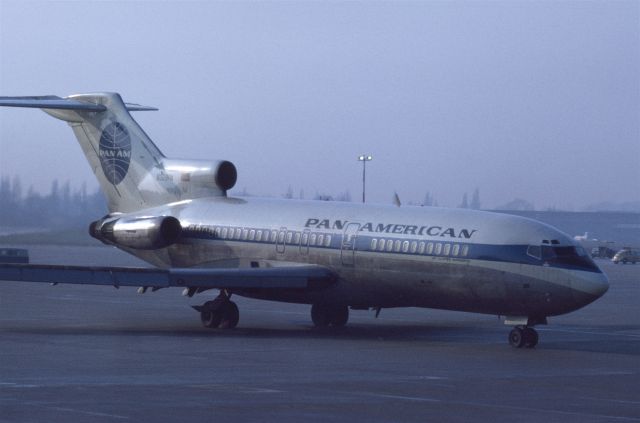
(324, 315)
(523, 336)
(219, 313)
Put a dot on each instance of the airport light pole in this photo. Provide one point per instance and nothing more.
(364, 158)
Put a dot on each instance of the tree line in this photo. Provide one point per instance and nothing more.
(61, 207)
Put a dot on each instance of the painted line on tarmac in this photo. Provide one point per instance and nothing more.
(586, 332)
(89, 413)
(497, 406)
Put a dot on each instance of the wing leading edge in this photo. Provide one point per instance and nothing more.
(298, 277)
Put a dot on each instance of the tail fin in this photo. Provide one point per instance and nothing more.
(132, 172)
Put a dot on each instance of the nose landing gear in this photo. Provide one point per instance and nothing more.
(523, 336)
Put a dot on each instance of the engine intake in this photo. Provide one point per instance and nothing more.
(143, 233)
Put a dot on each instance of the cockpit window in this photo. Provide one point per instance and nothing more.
(568, 255)
(534, 251)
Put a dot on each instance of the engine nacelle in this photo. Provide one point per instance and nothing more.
(143, 233)
(202, 178)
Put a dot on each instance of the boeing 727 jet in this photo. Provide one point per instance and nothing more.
(177, 215)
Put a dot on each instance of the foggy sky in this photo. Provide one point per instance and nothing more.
(533, 100)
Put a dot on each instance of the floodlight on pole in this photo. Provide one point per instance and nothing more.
(364, 158)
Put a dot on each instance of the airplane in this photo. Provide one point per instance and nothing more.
(178, 216)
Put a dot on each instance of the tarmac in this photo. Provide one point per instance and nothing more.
(98, 354)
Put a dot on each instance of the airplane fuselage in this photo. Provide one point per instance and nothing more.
(385, 256)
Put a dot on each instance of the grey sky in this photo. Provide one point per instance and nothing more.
(538, 100)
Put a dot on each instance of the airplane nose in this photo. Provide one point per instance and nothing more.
(589, 286)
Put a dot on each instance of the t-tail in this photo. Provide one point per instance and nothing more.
(132, 172)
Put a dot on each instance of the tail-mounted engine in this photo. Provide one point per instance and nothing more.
(143, 233)
(201, 178)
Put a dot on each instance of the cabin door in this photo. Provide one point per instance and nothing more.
(348, 246)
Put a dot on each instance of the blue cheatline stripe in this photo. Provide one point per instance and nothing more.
(514, 253)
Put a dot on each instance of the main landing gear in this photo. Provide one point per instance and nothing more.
(523, 336)
(220, 313)
(324, 315)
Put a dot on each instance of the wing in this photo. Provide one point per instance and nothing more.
(300, 277)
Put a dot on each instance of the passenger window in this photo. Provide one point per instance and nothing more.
(414, 246)
(245, 234)
(381, 245)
(259, 235)
(252, 234)
(430, 248)
(438, 249)
(274, 235)
(389, 245)
(455, 250)
(281, 237)
(312, 239)
(320, 240)
(405, 246)
(224, 232)
(296, 238)
(465, 250)
(327, 241)
(374, 244)
(396, 246)
(231, 233)
(238, 233)
(289, 237)
(446, 249)
(305, 238)
(421, 247)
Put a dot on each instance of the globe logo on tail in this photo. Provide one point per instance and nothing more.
(115, 152)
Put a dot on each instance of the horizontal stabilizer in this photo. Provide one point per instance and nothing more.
(50, 102)
(132, 107)
(300, 277)
(55, 102)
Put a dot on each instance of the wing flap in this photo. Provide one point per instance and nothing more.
(299, 277)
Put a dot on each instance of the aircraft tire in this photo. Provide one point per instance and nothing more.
(210, 316)
(516, 337)
(530, 337)
(339, 316)
(230, 315)
(320, 315)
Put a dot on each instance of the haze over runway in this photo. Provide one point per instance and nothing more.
(533, 100)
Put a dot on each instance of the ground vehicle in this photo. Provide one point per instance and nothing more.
(626, 255)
